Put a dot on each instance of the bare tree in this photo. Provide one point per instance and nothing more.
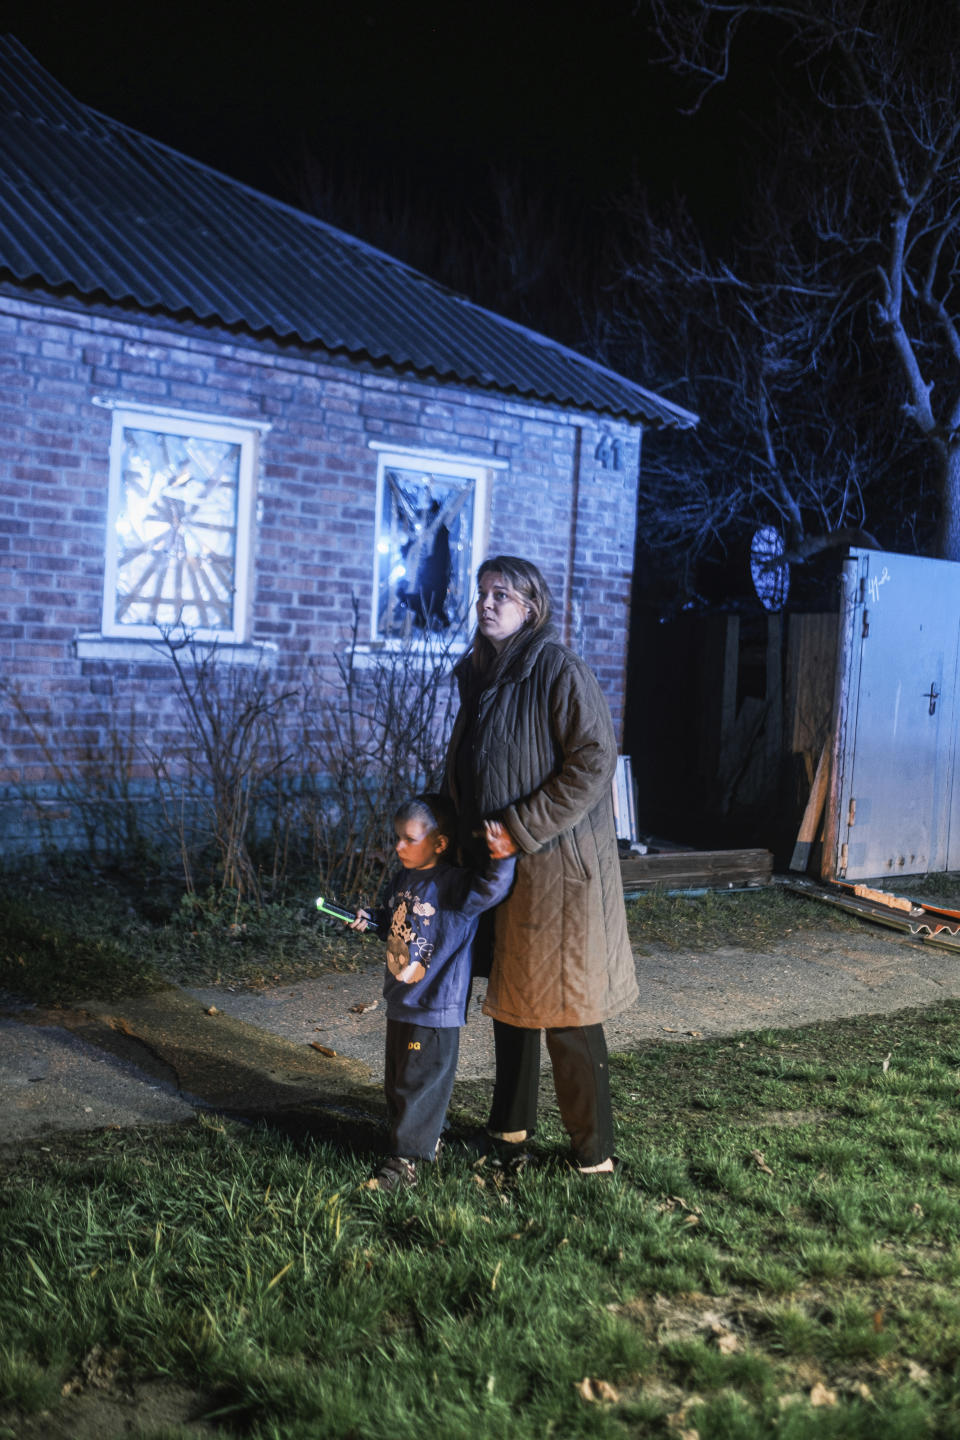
(869, 143)
(751, 343)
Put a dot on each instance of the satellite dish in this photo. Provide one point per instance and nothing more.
(770, 574)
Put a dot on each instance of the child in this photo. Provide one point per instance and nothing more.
(430, 920)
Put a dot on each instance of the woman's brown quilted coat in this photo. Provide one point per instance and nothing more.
(544, 756)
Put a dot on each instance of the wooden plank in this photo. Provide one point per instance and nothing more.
(929, 932)
(697, 869)
(728, 683)
(811, 662)
(895, 919)
(773, 731)
(813, 814)
(848, 651)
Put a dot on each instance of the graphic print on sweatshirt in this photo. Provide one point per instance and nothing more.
(409, 952)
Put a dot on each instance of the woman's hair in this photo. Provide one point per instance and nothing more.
(436, 812)
(530, 588)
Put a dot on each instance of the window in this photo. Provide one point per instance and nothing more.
(179, 527)
(429, 541)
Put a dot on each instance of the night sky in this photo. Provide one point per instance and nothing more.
(436, 91)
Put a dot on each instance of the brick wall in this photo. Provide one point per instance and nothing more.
(553, 502)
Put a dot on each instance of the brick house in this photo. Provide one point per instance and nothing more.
(222, 414)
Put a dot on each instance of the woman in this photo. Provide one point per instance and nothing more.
(533, 746)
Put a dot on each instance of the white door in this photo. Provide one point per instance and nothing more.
(895, 742)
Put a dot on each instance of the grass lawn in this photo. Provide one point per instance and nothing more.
(70, 932)
(777, 1255)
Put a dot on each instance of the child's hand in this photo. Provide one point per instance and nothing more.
(360, 923)
(500, 842)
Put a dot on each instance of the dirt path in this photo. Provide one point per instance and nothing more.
(814, 975)
(160, 1058)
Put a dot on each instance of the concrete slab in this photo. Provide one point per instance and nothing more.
(155, 1059)
(53, 1080)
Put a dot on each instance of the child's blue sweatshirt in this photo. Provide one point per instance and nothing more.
(430, 920)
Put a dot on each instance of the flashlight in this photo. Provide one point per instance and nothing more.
(340, 912)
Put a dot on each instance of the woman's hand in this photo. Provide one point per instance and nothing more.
(500, 842)
(360, 923)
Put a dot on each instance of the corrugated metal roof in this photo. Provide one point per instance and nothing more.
(88, 203)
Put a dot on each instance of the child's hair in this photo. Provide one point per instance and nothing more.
(435, 811)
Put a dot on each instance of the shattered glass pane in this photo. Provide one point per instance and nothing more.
(424, 552)
(177, 531)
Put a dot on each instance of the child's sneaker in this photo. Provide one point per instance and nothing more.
(395, 1173)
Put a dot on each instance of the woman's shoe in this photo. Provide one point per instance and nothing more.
(605, 1167)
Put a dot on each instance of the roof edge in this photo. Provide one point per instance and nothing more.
(675, 416)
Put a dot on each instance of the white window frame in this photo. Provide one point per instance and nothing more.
(160, 420)
(478, 469)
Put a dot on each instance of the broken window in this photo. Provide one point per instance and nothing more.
(428, 523)
(179, 531)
